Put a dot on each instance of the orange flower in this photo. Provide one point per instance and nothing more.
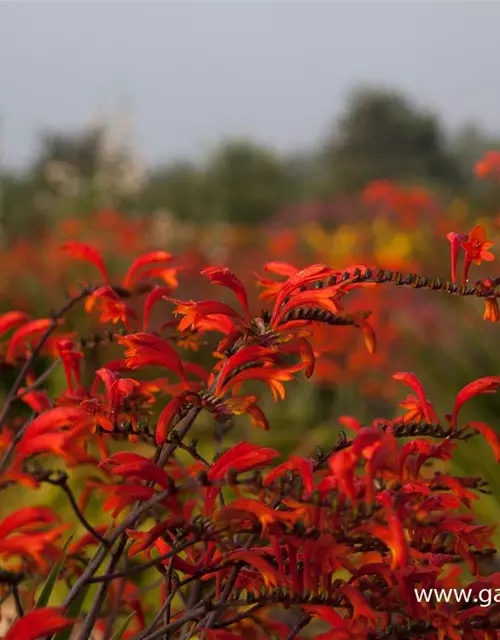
(111, 307)
(418, 407)
(491, 311)
(476, 249)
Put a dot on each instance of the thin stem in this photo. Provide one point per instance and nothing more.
(95, 609)
(141, 567)
(165, 608)
(12, 395)
(103, 550)
(161, 458)
(177, 624)
(241, 616)
(41, 378)
(17, 601)
(168, 611)
(115, 612)
(303, 622)
(79, 514)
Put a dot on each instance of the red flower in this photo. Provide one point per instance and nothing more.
(226, 278)
(242, 457)
(25, 337)
(145, 349)
(418, 407)
(71, 362)
(489, 165)
(456, 240)
(82, 251)
(476, 249)
(38, 624)
(111, 307)
(12, 319)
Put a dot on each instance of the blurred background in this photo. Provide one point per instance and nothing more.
(237, 133)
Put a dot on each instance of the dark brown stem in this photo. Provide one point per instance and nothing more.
(95, 609)
(303, 622)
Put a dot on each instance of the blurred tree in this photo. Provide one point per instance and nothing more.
(248, 182)
(241, 183)
(81, 150)
(18, 217)
(382, 135)
(181, 188)
(73, 173)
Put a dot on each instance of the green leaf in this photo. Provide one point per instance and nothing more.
(73, 611)
(123, 627)
(50, 583)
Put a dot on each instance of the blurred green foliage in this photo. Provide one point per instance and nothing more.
(381, 134)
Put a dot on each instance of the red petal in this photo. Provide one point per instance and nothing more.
(26, 517)
(490, 435)
(39, 624)
(82, 251)
(164, 423)
(477, 387)
(242, 457)
(226, 278)
(24, 336)
(12, 319)
(147, 259)
(155, 296)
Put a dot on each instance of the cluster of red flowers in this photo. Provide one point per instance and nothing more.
(245, 542)
(407, 202)
(489, 165)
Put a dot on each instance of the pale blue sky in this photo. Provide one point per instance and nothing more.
(190, 73)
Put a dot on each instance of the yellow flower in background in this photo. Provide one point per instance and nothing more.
(332, 246)
(344, 241)
(395, 248)
(316, 238)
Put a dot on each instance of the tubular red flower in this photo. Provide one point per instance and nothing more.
(226, 278)
(26, 336)
(12, 319)
(82, 251)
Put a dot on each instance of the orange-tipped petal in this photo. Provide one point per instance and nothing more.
(82, 251)
(146, 260)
